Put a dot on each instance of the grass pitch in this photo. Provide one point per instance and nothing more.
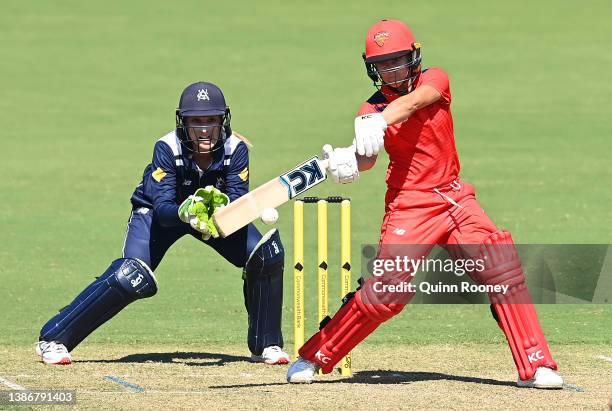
(88, 87)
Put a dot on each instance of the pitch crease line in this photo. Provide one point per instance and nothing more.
(128, 385)
(12, 385)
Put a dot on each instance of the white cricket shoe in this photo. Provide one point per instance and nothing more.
(272, 355)
(302, 371)
(53, 353)
(543, 378)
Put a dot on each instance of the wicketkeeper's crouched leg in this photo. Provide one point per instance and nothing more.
(125, 281)
(263, 292)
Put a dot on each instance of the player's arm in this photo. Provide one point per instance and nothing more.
(237, 177)
(401, 109)
(370, 127)
(163, 186)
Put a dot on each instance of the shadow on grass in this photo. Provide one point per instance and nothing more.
(198, 359)
(390, 377)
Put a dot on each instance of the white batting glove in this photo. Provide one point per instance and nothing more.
(342, 164)
(369, 134)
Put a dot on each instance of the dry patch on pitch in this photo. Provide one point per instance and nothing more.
(407, 376)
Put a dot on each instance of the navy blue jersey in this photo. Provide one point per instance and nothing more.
(173, 176)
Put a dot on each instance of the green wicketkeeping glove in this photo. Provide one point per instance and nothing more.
(197, 210)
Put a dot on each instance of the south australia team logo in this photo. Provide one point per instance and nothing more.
(381, 37)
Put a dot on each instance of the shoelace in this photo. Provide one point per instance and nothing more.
(54, 347)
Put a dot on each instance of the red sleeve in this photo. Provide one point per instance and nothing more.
(366, 108)
(438, 79)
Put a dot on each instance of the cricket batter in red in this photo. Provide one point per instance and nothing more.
(426, 203)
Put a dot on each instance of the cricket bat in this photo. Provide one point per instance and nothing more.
(272, 194)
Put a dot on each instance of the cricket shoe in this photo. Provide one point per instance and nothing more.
(543, 378)
(302, 371)
(53, 353)
(272, 355)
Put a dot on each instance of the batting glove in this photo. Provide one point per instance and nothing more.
(341, 164)
(369, 134)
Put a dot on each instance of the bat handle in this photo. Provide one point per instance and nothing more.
(323, 164)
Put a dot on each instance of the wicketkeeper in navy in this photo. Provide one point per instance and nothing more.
(196, 168)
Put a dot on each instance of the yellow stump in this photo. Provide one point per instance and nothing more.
(322, 270)
(345, 259)
(322, 282)
(298, 274)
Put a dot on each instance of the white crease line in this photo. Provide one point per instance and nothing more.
(100, 392)
(12, 385)
(147, 392)
(603, 357)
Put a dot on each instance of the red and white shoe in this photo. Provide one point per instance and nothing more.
(543, 378)
(53, 353)
(272, 355)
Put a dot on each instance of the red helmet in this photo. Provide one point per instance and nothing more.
(390, 39)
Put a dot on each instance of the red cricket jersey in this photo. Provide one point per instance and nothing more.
(422, 150)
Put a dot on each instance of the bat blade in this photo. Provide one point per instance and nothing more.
(272, 194)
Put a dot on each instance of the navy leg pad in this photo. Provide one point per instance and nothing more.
(267, 254)
(125, 281)
(263, 292)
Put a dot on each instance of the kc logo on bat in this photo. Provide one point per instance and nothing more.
(303, 177)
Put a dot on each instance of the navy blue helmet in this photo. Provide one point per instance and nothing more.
(199, 100)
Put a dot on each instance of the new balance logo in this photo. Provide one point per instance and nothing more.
(399, 231)
(203, 94)
(535, 356)
(324, 359)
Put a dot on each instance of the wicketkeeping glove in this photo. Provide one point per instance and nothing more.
(197, 210)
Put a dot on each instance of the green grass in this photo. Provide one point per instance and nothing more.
(88, 87)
